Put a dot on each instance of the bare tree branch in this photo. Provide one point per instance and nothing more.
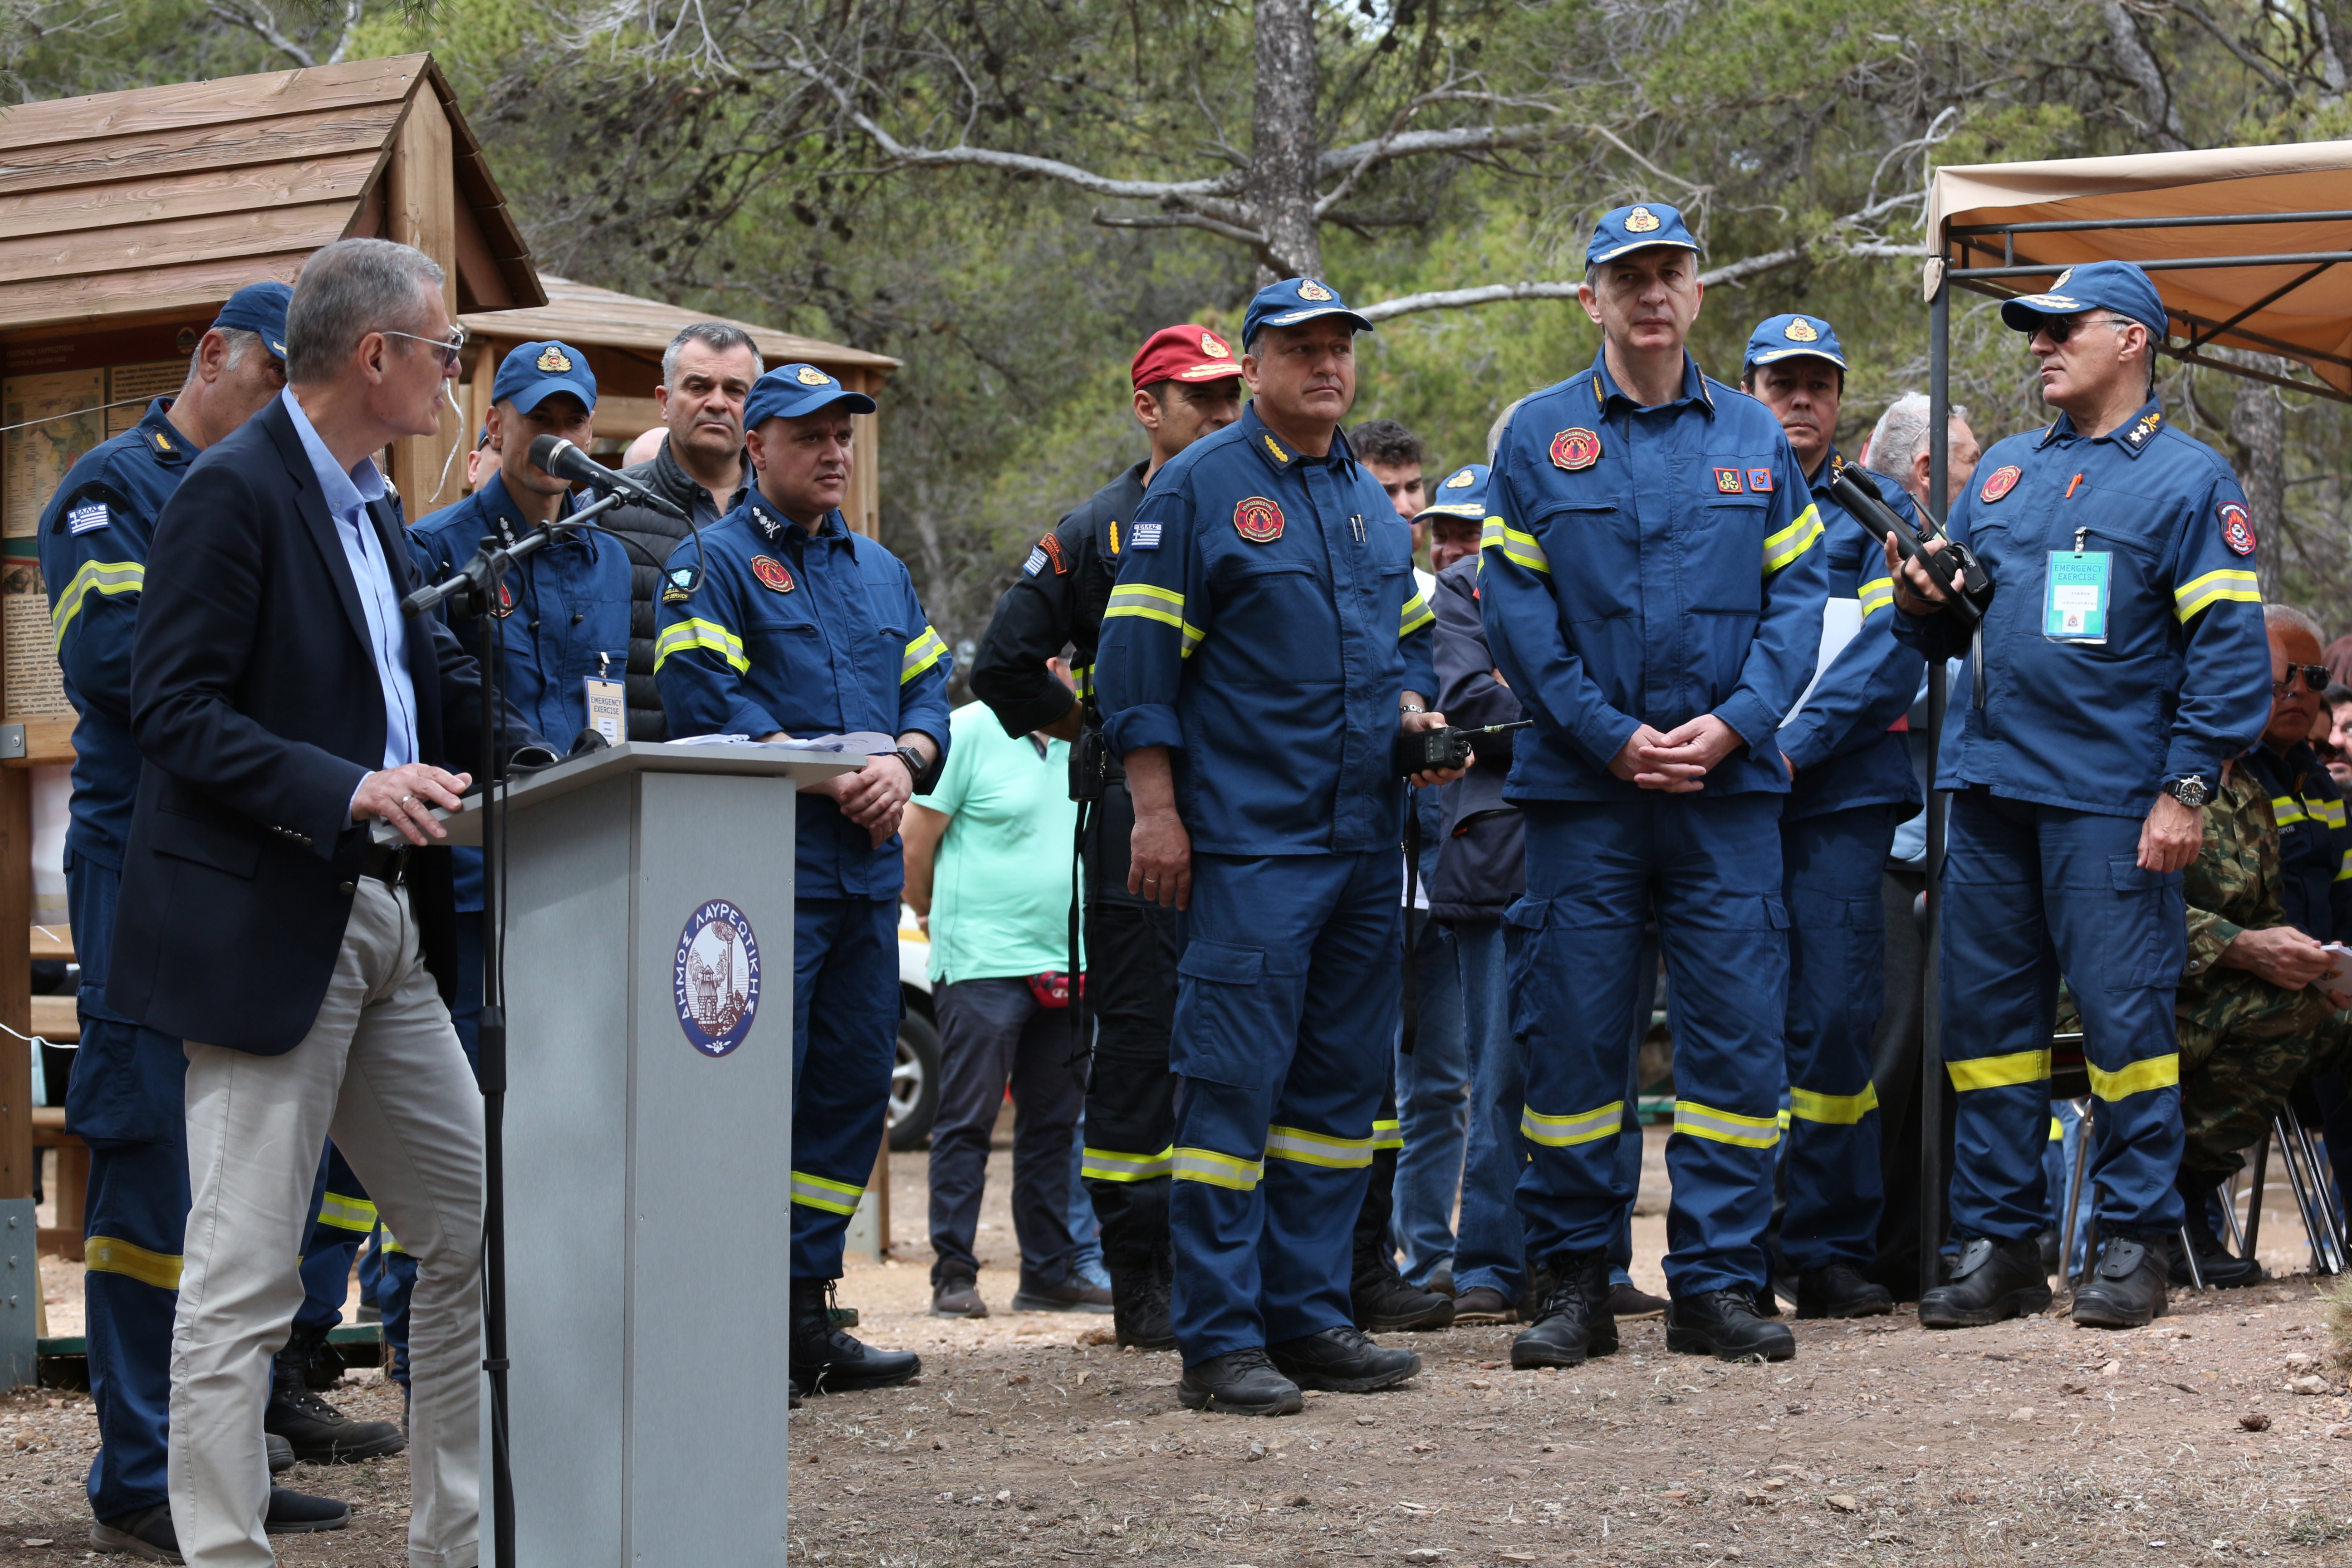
(249, 15)
(1462, 298)
(2140, 66)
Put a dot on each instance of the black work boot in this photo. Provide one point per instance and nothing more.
(1992, 1280)
(1139, 1305)
(324, 1368)
(1382, 1299)
(956, 1294)
(1342, 1361)
(298, 1513)
(145, 1533)
(826, 1360)
(318, 1432)
(1572, 1321)
(1839, 1290)
(2126, 1288)
(1072, 1295)
(1239, 1383)
(281, 1452)
(1725, 1325)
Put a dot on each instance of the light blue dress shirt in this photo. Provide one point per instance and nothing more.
(348, 493)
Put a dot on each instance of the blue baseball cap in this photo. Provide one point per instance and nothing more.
(532, 373)
(1462, 493)
(1793, 336)
(789, 391)
(2117, 285)
(1637, 227)
(1292, 302)
(258, 308)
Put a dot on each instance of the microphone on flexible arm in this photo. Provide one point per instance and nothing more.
(554, 455)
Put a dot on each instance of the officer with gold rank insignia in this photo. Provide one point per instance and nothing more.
(781, 624)
(1263, 650)
(2121, 662)
(1652, 585)
(1851, 784)
(1186, 384)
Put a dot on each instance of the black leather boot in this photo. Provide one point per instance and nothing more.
(1839, 1290)
(824, 1360)
(1139, 1305)
(1725, 1325)
(1342, 1361)
(1382, 1299)
(318, 1432)
(298, 1513)
(1992, 1280)
(1239, 1383)
(1572, 1321)
(2221, 1268)
(2127, 1290)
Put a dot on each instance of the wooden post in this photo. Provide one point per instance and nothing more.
(420, 209)
(16, 982)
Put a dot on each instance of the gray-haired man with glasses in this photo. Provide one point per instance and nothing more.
(284, 705)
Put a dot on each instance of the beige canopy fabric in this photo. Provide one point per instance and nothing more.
(2311, 322)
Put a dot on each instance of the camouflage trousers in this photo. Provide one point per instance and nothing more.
(2240, 1051)
(2240, 1054)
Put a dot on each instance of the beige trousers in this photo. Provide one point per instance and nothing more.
(382, 1072)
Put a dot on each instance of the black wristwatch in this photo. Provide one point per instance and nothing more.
(925, 773)
(2191, 790)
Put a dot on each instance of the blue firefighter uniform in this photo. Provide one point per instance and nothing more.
(125, 1096)
(2314, 838)
(1853, 786)
(1650, 565)
(814, 635)
(562, 621)
(2082, 718)
(1265, 625)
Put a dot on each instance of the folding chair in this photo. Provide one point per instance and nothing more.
(2070, 1079)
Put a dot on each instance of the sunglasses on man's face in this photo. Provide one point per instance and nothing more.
(2058, 329)
(2314, 678)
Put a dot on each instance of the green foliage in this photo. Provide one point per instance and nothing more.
(666, 149)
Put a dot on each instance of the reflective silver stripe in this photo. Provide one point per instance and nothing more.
(1317, 1149)
(1581, 1126)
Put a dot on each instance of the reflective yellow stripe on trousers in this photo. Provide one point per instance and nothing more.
(1836, 1109)
(817, 1193)
(1218, 1170)
(1388, 1135)
(1582, 1127)
(2151, 1072)
(346, 1213)
(111, 1254)
(1110, 1166)
(2001, 1072)
(1305, 1148)
(1726, 1126)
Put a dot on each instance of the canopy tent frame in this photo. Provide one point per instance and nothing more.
(1952, 247)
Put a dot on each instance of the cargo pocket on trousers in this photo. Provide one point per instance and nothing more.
(1223, 1015)
(2148, 937)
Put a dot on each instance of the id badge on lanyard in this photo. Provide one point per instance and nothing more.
(2076, 598)
(608, 705)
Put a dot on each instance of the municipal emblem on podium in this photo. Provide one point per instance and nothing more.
(1574, 449)
(716, 981)
(554, 360)
(1310, 289)
(1257, 520)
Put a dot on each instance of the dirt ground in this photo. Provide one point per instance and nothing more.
(1024, 1442)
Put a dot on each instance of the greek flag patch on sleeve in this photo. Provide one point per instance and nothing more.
(1145, 536)
(1036, 564)
(87, 518)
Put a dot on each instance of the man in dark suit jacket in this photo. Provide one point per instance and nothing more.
(281, 700)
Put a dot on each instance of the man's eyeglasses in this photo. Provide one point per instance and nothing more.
(2058, 329)
(2314, 678)
(450, 348)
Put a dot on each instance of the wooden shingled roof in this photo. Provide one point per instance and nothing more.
(584, 314)
(165, 199)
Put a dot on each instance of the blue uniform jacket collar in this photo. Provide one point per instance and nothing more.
(1282, 457)
(496, 502)
(2132, 438)
(162, 438)
(2300, 762)
(1605, 387)
(776, 528)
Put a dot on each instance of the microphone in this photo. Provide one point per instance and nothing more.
(555, 455)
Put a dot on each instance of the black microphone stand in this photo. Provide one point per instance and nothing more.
(473, 589)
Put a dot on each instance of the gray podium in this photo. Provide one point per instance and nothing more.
(649, 1153)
